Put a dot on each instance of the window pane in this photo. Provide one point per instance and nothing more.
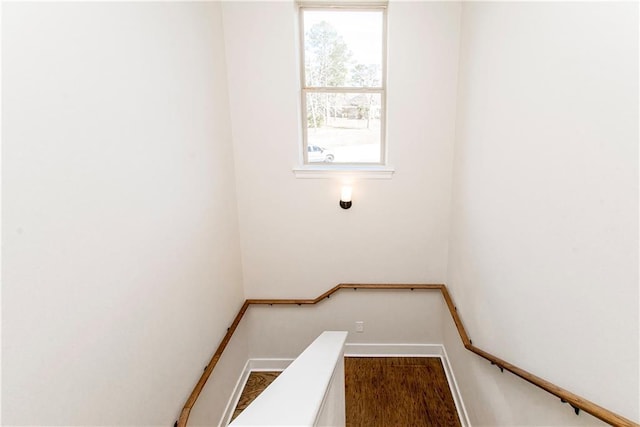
(343, 49)
(343, 127)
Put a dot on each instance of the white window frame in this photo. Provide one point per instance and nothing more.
(382, 90)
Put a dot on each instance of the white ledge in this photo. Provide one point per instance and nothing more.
(342, 171)
(298, 396)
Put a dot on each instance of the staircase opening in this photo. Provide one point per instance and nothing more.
(384, 391)
(256, 383)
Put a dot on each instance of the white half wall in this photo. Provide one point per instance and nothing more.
(296, 240)
(121, 262)
(543, 261)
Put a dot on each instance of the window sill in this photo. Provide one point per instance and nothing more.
(343, 171)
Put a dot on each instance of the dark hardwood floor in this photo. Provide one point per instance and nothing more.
(398, 392)
(384, 392)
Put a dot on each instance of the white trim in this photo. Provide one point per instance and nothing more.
(455, 391)
(342, 4)
(392, 350)
(252, 365)
(235, 395)
(346, 171)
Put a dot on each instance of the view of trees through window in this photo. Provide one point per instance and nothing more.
(343, 90)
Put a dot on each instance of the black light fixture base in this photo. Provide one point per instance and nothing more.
(345, 205)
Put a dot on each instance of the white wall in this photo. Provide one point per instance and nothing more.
(296, 240)
(121, 250)
(120, 233)
(216, 394)
(390, 317)
(544, 243)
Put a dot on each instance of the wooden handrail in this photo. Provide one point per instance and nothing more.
(577, 402)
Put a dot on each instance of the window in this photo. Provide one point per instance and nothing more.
(343, 84)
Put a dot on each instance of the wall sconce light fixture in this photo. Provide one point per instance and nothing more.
(345, 197)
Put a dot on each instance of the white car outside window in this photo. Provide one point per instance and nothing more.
(319, 154)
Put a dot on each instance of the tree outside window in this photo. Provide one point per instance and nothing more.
(343, 90)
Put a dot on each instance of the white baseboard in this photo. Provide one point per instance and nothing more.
(235, 396)
(392, 350)
(356, 350)
(455, 391)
